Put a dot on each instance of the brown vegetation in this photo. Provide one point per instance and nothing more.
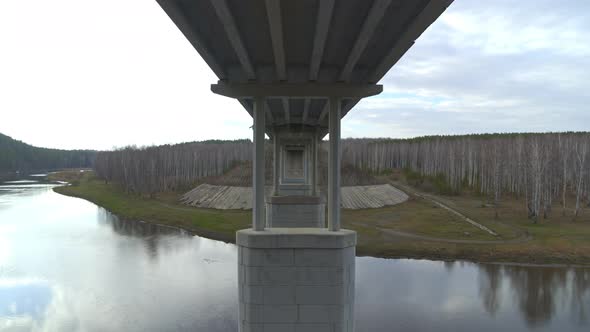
(540, 168)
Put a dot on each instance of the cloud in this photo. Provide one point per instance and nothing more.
(117, 73)
(490, 66)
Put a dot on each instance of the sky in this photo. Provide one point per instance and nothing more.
(102, 74)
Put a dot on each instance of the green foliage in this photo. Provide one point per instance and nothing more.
(18, 156)
(161, 209)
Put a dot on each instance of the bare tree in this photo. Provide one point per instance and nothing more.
(580, 149)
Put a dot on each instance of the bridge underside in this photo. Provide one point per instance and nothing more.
(298, 67)
(320, 41)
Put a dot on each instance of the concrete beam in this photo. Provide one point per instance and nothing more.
(432, 10)
(389, 60)
(229, 24)
(345, 108)
(375, 15)
(324, 112)
(258, 213)
(178, 16)
(268, 112)
(348, 106)
(293, 120)
(305, 90)
(334, 166)
(276, 165)
(275, 21)
(306, 104)
(246, 106)
(314, 165)
(286, 109)
(324, 18)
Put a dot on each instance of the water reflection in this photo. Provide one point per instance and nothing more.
(136, 228)
(155, 237)
(490, 282)
(538, 291)
(68, 265)
(98, 273)
(580, 290)
(22, 297)
(424, 295)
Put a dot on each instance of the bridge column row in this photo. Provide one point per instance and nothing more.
(258, 187)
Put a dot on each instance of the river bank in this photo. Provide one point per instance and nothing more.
(67, 253)
(435, 233)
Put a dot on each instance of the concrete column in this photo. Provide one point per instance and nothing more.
(334, 165)
(314, 164)
(298, 279)
(258, 214)
(276, 165)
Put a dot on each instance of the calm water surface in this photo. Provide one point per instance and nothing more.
(69, 265)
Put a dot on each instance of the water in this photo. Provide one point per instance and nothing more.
(69, 265)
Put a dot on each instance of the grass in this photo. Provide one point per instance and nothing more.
(556, 240)
(417, 216)
(557, 235)
(164, 209)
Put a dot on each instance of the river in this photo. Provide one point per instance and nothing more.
(69, 265)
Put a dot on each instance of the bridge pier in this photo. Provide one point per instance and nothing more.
(296, 279)
(296, 273)
(299, 278)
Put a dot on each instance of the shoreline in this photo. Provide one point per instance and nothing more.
(208, 234)
(441, 258)
(540, 262)
(455, 253)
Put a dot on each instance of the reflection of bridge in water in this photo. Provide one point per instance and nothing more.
(536, 292)
(150, 277)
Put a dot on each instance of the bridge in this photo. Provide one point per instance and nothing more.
(298, 67)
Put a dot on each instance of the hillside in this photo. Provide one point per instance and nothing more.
(19, 156)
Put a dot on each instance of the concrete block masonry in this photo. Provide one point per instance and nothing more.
(292, 214)
(296, 279)
(355, 197)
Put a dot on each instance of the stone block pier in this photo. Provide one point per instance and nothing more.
(296, 279)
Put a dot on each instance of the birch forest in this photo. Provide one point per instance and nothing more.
(545, 170)
(169, 167)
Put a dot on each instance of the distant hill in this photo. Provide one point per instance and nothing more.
(18, 156)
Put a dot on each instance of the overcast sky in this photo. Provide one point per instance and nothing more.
(99, 74)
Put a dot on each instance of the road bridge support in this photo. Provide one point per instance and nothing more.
(296, 270)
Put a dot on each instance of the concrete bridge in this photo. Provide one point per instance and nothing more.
(298, 67)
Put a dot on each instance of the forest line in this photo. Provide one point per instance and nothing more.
(16, 156)
(542, 168)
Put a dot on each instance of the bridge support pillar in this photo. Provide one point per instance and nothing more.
(296, 279)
